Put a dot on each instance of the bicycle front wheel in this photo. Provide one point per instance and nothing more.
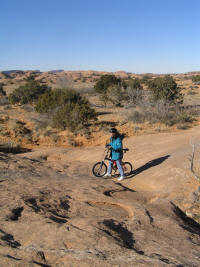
(99, 169)
(128, 168)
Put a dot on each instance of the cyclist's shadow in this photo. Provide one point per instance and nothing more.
(147, 166)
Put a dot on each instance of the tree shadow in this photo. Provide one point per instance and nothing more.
(106, 123)
(148, 165)
(3, 156)
(104, 113)
(186, 222)
(6, 148)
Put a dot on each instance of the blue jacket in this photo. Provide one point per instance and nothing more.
(116, 145)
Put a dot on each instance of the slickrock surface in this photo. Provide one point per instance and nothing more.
(55, 213)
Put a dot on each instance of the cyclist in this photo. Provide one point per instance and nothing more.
(116, 153)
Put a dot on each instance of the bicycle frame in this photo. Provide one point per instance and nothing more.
(114, 162)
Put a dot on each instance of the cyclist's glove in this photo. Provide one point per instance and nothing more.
(109, 147)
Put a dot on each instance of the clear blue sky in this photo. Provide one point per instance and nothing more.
(160, 36)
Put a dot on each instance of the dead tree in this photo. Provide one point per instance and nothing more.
(197, 177)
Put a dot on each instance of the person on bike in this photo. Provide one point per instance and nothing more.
(116, 148)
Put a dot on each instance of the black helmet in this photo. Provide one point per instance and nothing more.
(113, 130)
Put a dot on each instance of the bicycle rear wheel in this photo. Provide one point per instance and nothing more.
(128, 168)
(99, 169)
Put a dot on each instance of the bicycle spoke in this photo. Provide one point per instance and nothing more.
(99, 170)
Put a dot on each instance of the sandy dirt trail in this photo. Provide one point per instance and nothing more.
(160, 162)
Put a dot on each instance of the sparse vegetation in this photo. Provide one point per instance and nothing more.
(114, 94)
(4, 101)
(31, 77)
(145, 79)
(160, 112)
(137, 117)
(134, 91)
(20, 129)
(155, 103)
(28, 93)
(191, 92)
(55, 138)
(196, 78)
(73, 142)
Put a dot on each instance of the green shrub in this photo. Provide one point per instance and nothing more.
(145, 79)
(196, 78)
(73, 116)
(184, 117)
(105, 82)
(110, 89)
(67, 109)
(28, 93)
(51, 100)
(165, 88)
(31, 77)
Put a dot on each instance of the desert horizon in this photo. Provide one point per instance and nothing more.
(99, 133)
(100, 71)
(57, 207)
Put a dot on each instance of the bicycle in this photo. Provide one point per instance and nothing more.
(100, 168)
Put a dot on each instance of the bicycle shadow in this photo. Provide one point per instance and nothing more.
(147, 166)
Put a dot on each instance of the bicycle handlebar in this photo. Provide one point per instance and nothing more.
(124, 149)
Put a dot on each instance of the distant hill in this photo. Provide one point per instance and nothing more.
(7, 72)
(17, 71)
(54, 71)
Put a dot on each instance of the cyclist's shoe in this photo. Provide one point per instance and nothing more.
(121, 178)
(107, 174)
